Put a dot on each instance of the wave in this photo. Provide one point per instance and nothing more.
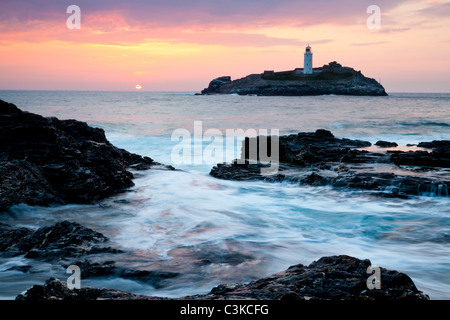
(425, 123)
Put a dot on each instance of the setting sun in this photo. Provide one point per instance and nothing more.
(138, 87)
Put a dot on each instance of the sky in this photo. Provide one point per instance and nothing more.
(180, 45)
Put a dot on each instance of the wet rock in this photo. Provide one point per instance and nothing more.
(364, 156)
(315, 180)
(54, 289)
(47, 161)
(61, 241)
(423, 158)
(336, 277)
(386, 144)
(435, 144)
(155, 278)
(319, 159)
(304, 148)
(90, 269)
(65, 241)
(438, 157)
(212, 254)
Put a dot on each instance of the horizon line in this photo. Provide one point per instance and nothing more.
(176, 91)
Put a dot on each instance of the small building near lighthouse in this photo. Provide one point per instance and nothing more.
(308, 66)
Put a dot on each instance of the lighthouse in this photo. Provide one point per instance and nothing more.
(307, 67)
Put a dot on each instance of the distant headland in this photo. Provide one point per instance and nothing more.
(332, 78)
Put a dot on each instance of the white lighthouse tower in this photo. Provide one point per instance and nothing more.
(307, 67)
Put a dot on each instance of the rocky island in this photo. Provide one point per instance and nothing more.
(332, 78)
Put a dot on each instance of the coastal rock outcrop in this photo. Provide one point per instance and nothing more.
(335, 277)
(319, 159)
(61, 241)
(329, 79)
(215, 85)
(54, 289)
(386, 144)
(47, 161)
(69, 243)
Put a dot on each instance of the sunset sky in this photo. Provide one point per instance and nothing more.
(180, 45)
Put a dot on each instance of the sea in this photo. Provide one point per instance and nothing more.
(212, 231)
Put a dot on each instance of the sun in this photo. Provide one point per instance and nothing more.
(138, 87)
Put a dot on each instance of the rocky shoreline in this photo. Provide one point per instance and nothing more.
(67, 243)
(320, 159)
(329, 278)
(45, 161)
(329, 79)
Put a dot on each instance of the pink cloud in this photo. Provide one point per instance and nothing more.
(205, 12)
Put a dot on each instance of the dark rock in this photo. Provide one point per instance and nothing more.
(330, 79)
(108, 268)
(306, 148)
(47, 161)
(61, 241)
(320, 159)
(336, 277)
(216, 84)
(437, 158)
(65, 241)
(315, 180)
(54, 289)
(323, 133)
(386, 144)
(211, 254)
(438, 144)
(91, 269)
(333, 65)
(364, 156)
(154, 277)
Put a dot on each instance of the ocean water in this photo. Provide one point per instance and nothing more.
(241, 231)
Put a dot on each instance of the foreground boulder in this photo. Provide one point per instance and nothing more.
(320, 159)
(336, 277)
(54, 289)
(45, 161)
(60, 241)
(69, 243)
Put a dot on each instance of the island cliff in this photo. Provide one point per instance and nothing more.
(332, 78)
